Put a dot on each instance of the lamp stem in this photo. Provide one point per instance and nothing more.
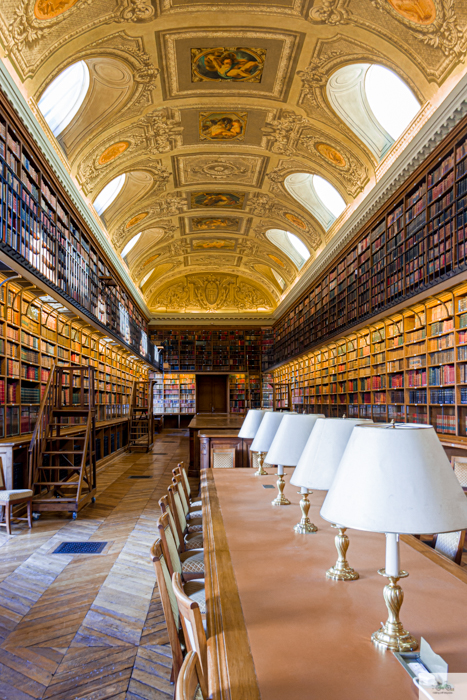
(392, 635)
(280, 499)
(261, 471)
(305, 526)
(341, 571)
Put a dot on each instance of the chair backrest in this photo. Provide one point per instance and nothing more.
(190, 680)
(168, 545)
(222, 457)
(177, 511)
(178, 480)
(169, 604)
(459, 464)
(181, 471)
(451, 544)
(192, 624)
(166, 508)
(2, 477)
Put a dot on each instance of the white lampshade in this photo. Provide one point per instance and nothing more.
(322, 453)
(396, 479)
(291, 438)
(266, 431)
(251, 423)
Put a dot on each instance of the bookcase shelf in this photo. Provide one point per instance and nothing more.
(416, 241)
(33, 336)
(41, 230)
(408, 367)
(220, 350)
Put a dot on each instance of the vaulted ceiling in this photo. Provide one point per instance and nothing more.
(208, 107)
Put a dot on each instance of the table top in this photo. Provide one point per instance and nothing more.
(215, 421)
(307, 632)
(218, 433)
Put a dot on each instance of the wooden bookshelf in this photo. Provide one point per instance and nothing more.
(410, 366)
(41, 230)
(215, 350)
(414, 243)
(34, 335)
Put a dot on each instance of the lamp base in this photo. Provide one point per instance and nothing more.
(261, 471)
(280, 499)
(347, 574)
(305, 526)
(341, 571)
(392, 635)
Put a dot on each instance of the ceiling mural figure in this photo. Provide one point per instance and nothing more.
(221, 124)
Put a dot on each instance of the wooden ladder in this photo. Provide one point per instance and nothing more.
(62, 456)
(141, 435)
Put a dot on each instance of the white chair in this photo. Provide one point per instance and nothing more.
(451, 544)
(459, 464)
(9, 498)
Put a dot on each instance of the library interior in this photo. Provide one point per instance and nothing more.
(233, 349)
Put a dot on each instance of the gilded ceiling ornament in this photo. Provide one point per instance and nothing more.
(48, 9)
(219, 169)
(213, 243)
(331, 154)
(211, 293)
(112, 152)
(331, 12)
(135, 11)
(32, 20)
(234, 64)
(136, 219)
(433, 22)
(281, 131)
(161, 131)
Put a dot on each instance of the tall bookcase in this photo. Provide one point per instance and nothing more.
(34, 335)
(410, 366)
(219, 350)
(416, 241)
(40, 228)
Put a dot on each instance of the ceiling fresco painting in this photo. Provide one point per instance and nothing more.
(206, 113)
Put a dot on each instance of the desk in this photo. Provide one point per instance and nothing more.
(277, 628)
(208, 421)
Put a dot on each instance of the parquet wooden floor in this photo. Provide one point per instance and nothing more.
(75, 627)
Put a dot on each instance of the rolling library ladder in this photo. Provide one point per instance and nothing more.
(62, 458)
(141, 435)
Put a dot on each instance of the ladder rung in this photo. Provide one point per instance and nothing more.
(74, 484)
(64, 437)
(61, 452)
(67, 466)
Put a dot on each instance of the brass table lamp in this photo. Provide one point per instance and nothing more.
(248, 431)
(264, 437)
(286, 448)
(316, 469)
(395, 479)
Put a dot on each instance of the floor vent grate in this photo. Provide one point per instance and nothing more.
(140, 476)
(80, 548)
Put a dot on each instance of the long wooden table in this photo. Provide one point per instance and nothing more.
(208, 421)
(277, 628)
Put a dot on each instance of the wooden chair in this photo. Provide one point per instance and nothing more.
(222, 457)
(451, 544)
(190, 564)
(179, 507)
(459, 464)
(192, 540)
(180, 470)
(169, 606)
(191, 512)
(190, 680)
(192, 623)
(11, 497)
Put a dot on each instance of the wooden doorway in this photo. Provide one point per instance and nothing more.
(211, 393)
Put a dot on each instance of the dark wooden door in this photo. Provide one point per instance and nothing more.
(211, 393)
